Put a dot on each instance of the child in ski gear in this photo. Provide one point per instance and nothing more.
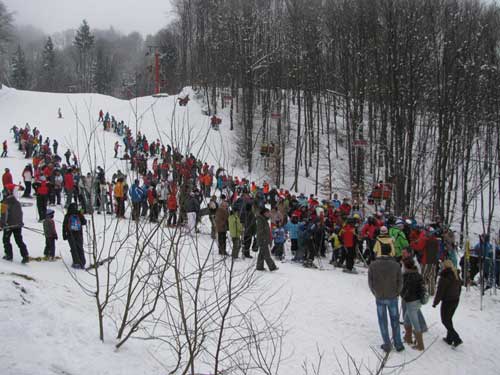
(50, 233)
(11, 221)
(279, 238)
(336, 246)
(4, 151)
(72, 229)
(235, 231)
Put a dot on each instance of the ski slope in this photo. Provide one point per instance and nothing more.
(49, 326)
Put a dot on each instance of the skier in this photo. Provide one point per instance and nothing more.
(27, 178)
(11, 221)
(59, 113)
(235, 231)
(101, 116)
(55, 145)
(221, 224)
(73, 233)
(50, 233)
(117, 146)
(4, 147)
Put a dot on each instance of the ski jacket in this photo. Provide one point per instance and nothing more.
(12, 212)
(293, 230)
(263, 231)
(279, 236)
(118, 190)
(235, 226)
(383, 239)
(69, 182)
(172, 202)
(49, 228)
(348, 236)
(369, 231)
(221, 218)
(400, 241)
(7, 179)
(136, 193)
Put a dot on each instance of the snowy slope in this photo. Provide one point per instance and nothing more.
(48, 325)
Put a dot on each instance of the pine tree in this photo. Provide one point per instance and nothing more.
(19, 78)
(5, 34)
(48, 76)
(84, 42)
(104, 71)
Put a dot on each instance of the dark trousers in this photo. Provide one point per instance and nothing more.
(172, 217)
(447, 311)
(294, 245)
(41, 204)
(265, 255)
(27, 189)
(75, 240)
(120, 207)
(350, 256)
(50, 247)
(136, 210)
(221, 237)
(236, 247)
(18, 237)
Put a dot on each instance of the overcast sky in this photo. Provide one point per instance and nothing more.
(145, 16)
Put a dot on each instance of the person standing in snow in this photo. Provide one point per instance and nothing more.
(28, 179)
(221, 225)
(448, 294)
(411, 295)
(72, 230)
(264, 240)
(11, 221)
(4, 151)
(50, 233)
(386, 282)
(235, 230)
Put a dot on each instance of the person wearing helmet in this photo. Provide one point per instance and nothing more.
(11, 221)
(399, 238)
(384, 241)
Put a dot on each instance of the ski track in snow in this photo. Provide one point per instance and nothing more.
(51, 328)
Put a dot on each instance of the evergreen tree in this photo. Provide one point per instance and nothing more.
(48, 71)
(104, 71)
(84, 42)
(19, 77)
(5, 34)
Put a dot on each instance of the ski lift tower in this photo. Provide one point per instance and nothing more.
(155, 49)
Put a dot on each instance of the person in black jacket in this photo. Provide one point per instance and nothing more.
(12, 224)
(448, 293)
(412, 294)
(72, 230)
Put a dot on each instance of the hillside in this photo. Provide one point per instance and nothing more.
(49, 324)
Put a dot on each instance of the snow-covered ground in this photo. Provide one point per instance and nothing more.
(49, 326)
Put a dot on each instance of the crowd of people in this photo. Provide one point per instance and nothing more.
(403, 256)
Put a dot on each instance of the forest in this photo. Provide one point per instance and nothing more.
(409, 88)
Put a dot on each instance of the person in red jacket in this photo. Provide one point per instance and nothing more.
(369, 233)
(345, 207)
(7, 178)
(42, 196)
(348, 238)
(69, 186)
(172, 209)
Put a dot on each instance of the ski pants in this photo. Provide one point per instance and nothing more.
(75, 240)
(50, 247)
(18, 237)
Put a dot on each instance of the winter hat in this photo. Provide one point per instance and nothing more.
(383, 229)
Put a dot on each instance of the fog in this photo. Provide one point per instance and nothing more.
(144, 16)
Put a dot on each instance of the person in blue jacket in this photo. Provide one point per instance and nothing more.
(136, 196)
(292, 227)
(279, 238)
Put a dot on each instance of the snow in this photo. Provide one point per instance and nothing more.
(49, 326)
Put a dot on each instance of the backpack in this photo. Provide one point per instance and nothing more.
(75, 225)
(385, 247)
